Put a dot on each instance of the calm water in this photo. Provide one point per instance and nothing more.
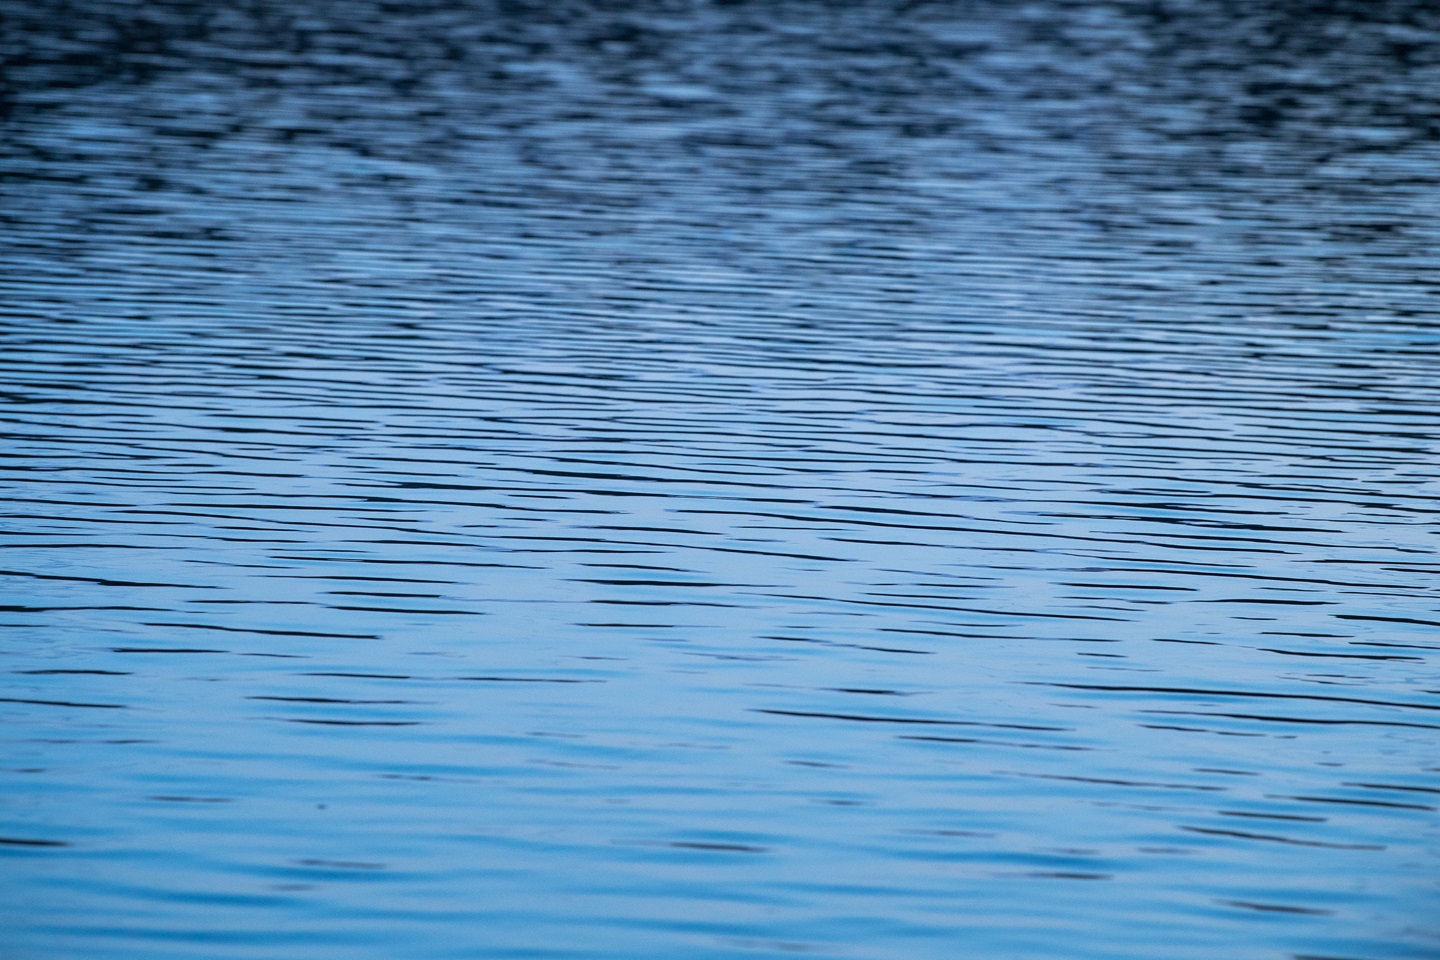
(618, 481)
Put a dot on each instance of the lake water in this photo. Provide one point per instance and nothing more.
(620, 481)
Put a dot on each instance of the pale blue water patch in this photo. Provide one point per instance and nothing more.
(719, 480)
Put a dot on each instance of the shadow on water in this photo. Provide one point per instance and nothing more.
(615, 480)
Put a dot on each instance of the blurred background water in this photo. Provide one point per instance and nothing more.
(578, 479)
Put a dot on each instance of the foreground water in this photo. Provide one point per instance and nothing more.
(720, 480)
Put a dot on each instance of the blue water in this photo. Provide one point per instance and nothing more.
(874, 481)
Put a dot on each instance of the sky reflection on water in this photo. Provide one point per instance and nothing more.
(719, 480)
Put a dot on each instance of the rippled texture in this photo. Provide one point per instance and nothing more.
(601, 480)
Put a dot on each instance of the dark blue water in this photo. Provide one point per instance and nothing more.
(619, 481)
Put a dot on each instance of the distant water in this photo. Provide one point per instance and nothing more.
(620, 481)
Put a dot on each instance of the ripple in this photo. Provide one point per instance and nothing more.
(768, 478)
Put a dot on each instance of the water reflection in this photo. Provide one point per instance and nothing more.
(719, 479)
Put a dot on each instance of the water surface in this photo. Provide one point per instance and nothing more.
(718, 480)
